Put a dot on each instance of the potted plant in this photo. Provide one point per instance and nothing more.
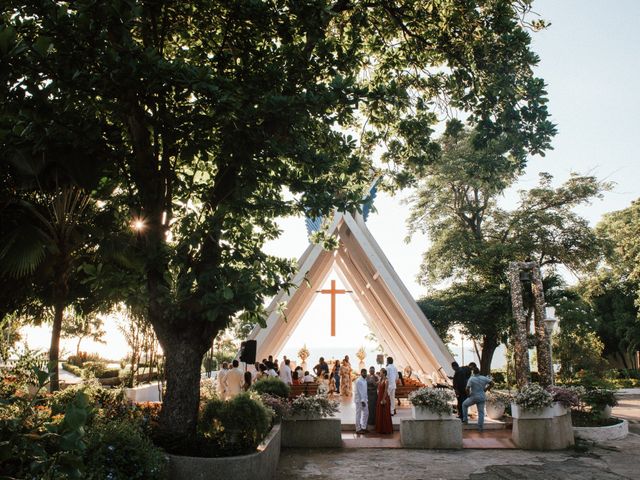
(430, 403)
(601, 400)
(496, 404)
(532, 401)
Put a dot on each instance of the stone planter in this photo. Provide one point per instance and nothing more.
(445, 432)
(311, 432)
(261, 464)
(422, 413)
(495, 411)
(602, 434)
(143, 393)
(548, 429)
(555, 410)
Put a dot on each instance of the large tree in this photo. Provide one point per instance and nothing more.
(212, 118)
(473, 239)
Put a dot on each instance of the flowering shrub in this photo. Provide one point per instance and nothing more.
(533, 397)
(434, 399)
(280, 407)
(499, 398)
(318, 405)
(599, 398)
(567, 396)
(272, 386)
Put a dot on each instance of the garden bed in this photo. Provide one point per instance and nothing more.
(588, 420)
(597, 434)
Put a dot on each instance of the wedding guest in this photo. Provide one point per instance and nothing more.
(321, 368)
(383, 406)
(271, 371)
(254, 374)
(345, 377)
(361, 400)
(222, 376)
(247, 381)
(372, 394)
(296, 378)
(262, 372)
(392, 377)
(460, 378)
(285, 372)
(308, 378)
(335, 374)
(234, 380)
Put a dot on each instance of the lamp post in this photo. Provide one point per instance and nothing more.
(549, 324)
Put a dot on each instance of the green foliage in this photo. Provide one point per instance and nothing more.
(119, 449)
(533, 397)
(578, 350)
(434, 399)
(317, 405)
(599, 398)
(238, 424)
(271, 386)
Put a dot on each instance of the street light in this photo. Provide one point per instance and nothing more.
(549, 324)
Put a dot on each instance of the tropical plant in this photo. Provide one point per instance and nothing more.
(434, 399)
(599, 398)
(533, 397)
(314, 406)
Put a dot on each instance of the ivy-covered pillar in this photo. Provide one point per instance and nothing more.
(520, 343)
(543, 337)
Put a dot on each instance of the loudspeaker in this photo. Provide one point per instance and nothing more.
(248, 351)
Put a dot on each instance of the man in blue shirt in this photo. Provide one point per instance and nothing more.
(476, 387)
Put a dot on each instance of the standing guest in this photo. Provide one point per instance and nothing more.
(222, 379)
(335, 374)
(275, 366)
(269, 362)
(460, 378)
(476, 388)
(295, 377)
(345, 376)
(262, 372)
(247, 381)
(383, 407)
(392, 377)
(308, 378)
(372, 394)
(361, 400)
(271, 371)
(234, 380)
(285, 372)
(321, 368)
(284, 359)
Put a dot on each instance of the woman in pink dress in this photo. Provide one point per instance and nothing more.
(383, 406)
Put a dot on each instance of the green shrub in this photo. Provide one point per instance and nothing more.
(71, 368)
(119, 450)
(599, 398)
(95, 368)
(238, 425)
(272, 386)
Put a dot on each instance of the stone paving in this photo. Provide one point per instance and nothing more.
(613, 460)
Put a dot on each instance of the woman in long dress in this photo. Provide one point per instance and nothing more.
(372, 394)
(383, 406)
(345, 377)
(335, 374)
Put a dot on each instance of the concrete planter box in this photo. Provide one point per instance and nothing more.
(543, 433)
(555, 410)
(495, 411)
(422, 413)
(262, 464)
(602, 434)
(143, 393)
(445, 432)
(311, 433)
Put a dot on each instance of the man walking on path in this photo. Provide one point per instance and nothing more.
(362, 406)
(392, 378)
(476, 387)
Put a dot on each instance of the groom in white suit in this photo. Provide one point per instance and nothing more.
(362, 406)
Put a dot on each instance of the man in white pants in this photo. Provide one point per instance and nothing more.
(222, 380)
(362, 405)
(392, 377)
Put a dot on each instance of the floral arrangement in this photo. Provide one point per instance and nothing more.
(280, 406)
(311, 406)
(499, 398)
(303, 353)
(533, 397)
(434, 399)
(567, 396)
(361, 354)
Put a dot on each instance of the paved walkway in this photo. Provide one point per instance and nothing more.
(609, 461)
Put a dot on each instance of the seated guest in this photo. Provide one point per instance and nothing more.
(308, 378)
(296, 378)
(271, 372)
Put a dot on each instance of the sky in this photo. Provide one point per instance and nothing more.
(590, 61)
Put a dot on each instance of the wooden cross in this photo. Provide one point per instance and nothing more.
(333, 292)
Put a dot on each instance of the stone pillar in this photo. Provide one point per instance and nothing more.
(544, 339)
(520, 344)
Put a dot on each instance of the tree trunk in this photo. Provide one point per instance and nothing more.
(54, 349)
(179, 414)
(520, 344)
(542, 348)
(489, 345)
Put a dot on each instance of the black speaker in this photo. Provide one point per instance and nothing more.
(248, 351)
